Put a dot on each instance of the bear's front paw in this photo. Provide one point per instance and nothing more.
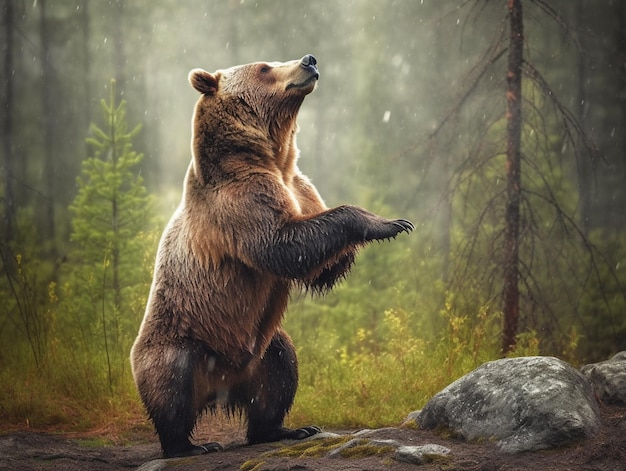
(381, 229)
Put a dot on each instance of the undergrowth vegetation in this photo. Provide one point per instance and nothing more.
(358, 366)
(365, 381)
(349, 382)
(360, 379)
(377, 347)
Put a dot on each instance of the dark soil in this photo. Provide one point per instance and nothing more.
(25, 450)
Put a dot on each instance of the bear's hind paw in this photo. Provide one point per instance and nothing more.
(304, 432)
(298, 433)
(194, 450)
(209, 448)
(283, 434)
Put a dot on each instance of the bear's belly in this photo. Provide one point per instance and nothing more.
(234, 313)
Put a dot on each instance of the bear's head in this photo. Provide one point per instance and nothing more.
(248, 107)
(273, 90)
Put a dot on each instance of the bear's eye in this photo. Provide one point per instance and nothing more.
(265, 69)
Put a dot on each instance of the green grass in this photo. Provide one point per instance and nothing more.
(359, 383)
(344, 387)
(66, 395)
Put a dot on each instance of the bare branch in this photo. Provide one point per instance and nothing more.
(558, 19)
(468, 93)
(568, 117)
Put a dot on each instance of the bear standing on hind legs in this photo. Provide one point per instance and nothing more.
(249, 227)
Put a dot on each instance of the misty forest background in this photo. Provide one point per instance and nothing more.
(519, 247)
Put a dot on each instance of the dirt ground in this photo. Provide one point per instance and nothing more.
(26, 450)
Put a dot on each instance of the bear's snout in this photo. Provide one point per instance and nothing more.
(309, 62)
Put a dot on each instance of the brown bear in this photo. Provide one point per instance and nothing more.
(249, 228)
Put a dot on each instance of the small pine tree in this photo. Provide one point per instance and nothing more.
(111, 214)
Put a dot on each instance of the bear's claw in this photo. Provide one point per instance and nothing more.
(404, 225)
(306, 432)
(210, 447)
(194, 450)
(284, 434)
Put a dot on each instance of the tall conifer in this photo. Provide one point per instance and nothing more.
(111, 214)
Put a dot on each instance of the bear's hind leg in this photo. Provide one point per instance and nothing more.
(168, 391)
(268, 395)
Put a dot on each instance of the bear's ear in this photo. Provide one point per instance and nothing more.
(203, 81)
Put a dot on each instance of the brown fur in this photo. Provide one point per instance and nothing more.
(248, 227)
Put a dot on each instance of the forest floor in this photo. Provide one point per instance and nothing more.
(28, 450)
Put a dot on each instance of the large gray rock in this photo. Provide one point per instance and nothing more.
(608, 379)
(526, 403)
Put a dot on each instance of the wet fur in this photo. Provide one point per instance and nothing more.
(250, 226)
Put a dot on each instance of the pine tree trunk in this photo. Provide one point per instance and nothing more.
(8, 218)
(621, 56)
(119, 51)
(86, 63)
(115, 251)
(49, 223)
(585, 166)
(513, 174)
